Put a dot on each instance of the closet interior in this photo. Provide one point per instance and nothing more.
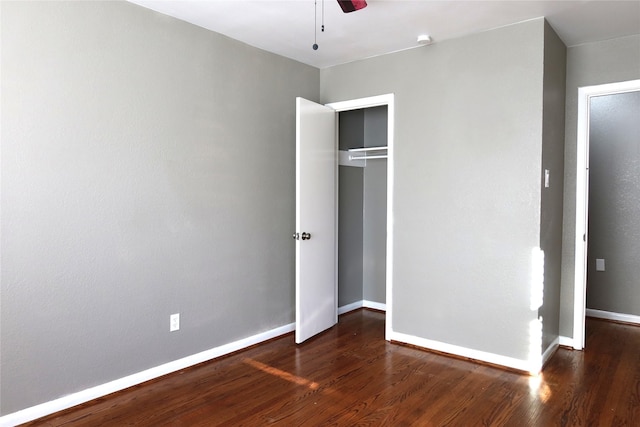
(362, 206)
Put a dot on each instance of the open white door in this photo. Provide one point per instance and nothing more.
(316, 171)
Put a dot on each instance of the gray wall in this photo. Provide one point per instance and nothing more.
(350, 208)
(142, 175)
(590, 64)
(555, 54)
(468, 154)
(376, 126)
(374, 224)
(350, 240)
(351, 129)
(614, 203)
(375, 209)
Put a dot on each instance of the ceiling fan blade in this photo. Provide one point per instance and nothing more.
(352, 5)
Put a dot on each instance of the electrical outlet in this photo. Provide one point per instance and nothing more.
(174, 322)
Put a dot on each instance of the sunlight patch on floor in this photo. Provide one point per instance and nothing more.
(539, 388)
(281, 374)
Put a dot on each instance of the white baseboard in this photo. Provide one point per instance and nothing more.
(374, 305)
(619, 317)
(74, 399)
(565, 341)
(349, 307)
(495, 359)
(360, 304)
(550, 351)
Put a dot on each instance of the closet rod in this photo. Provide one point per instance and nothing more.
(381, 156)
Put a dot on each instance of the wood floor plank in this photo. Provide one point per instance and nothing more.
(351, 376)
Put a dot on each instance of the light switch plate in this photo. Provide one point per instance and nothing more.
(599, 264)
(546, 178)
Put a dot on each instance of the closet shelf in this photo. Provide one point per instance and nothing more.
(366, 151)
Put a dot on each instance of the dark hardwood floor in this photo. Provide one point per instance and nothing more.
(350, 376)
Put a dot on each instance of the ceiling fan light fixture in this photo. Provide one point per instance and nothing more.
(352, 5)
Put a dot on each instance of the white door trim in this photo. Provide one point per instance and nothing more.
(582, 198)
(375, 101)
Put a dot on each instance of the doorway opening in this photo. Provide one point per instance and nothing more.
(362, 202)
(365, 194)
(585, 96)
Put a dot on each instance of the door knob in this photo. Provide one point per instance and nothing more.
(306, 236)
(296, 236)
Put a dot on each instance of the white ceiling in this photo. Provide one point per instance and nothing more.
(286, 27)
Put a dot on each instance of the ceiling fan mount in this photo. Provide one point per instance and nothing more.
(352, 5)
(347, 6)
